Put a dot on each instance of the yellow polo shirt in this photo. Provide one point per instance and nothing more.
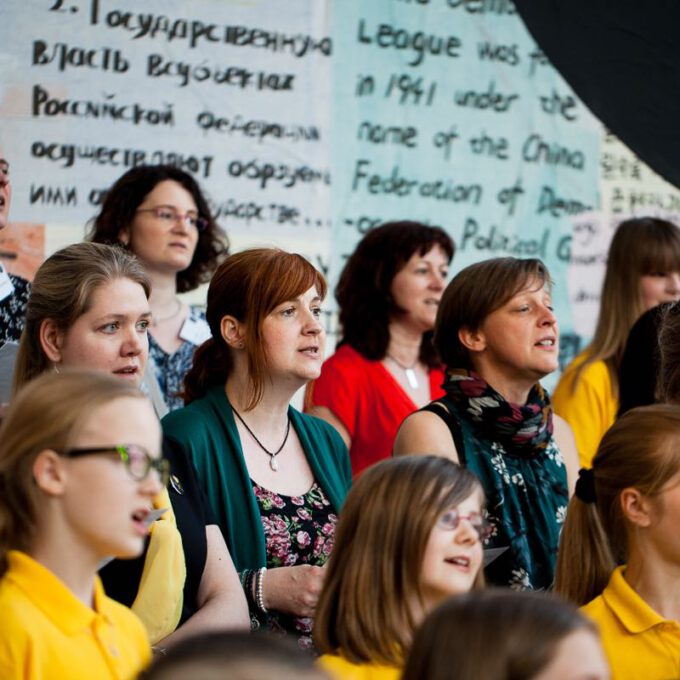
(590, 409)
(639, 643)
(340, 669)
(47, 633)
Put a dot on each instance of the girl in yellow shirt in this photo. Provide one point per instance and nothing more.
(79, 465)
(619, 554)
(410, 534)
(643, 270)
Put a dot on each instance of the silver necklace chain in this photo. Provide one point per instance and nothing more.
(273, 463)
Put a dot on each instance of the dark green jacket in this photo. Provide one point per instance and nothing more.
(207, 432)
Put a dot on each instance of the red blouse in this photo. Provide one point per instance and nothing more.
(368, 401)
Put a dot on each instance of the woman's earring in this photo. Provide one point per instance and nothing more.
(56, 368)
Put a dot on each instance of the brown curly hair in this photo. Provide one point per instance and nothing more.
(126, 195)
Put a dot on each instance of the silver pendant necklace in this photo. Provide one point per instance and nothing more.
(273, 463)
(411, 376)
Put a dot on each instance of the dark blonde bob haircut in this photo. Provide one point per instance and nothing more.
(473, 294)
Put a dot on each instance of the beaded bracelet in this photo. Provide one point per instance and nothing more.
(259, 590)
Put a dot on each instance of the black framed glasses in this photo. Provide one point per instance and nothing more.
(137, 460)
(450, 520)
(169, 214)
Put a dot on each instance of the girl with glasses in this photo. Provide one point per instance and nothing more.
(409, 535)
(89, 309)
(79, 468)
(159, 214)
(497, 334)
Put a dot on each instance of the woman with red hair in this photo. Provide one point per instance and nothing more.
(275, 478)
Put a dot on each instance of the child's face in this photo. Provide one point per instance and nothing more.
(103, 507)
(453, 555)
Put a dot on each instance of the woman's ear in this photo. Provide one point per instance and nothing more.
(51, 340)
(124, 236)
(636, 507)
(474, 341)
(49, 473)
(232, 331)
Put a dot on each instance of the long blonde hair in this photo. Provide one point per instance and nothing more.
(641, 450)
(62, 291)
(45, 414)
(374, 573)
(640, 246)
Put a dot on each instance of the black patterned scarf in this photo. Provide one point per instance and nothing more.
(524, 430)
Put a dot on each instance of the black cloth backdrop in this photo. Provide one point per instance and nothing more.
(622, 58)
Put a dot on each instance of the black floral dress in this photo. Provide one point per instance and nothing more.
(13, 310)
(297, 530)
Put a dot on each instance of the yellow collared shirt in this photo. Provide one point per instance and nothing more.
(47, 633)
(590, 409)
(340, 669)
(639, 643)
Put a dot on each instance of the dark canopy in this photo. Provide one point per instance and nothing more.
(622, 58)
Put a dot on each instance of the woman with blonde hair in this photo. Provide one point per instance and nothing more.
(160, 214)
(79, 465)
(410, 535)
(643, 270)
(89, 309)
(498, 336)
(275, 478)
(619, 553)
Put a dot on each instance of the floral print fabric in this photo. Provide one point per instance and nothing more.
(297, 530)
(171, 368)
(525, 429)
(525, 487)
(13, 310)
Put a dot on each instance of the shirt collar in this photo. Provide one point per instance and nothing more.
(631, 610)
(51, 595)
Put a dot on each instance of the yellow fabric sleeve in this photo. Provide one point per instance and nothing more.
(590, 408)
(161, 590)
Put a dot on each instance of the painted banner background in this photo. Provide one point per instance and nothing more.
(310, 121)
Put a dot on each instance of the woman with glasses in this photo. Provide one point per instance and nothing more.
(79, 467)
(89, 309)
(497, 334)
(392, 565)
(159, 214)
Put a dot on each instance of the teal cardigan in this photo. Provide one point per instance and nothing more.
(207, 432)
